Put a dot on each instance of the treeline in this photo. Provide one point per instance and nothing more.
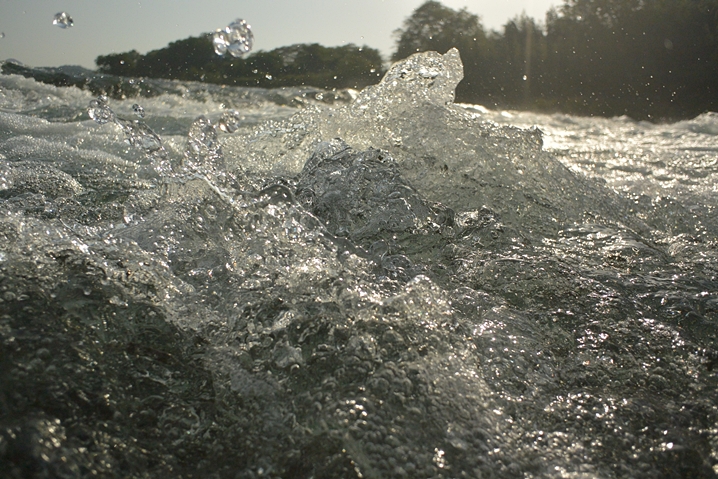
(649, 59)
(194, 59)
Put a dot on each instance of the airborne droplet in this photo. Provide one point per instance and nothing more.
(138, 110)
(63, 20)
(236, 39)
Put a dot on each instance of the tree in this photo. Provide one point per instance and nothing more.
(185, 59)
(652, 59)
(193, 58)
(123, 64)
(434, 27)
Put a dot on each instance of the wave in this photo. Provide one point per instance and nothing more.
(389, 286)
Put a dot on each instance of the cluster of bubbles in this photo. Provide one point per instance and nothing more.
(100, 111)
(236, 39)
(63, 20)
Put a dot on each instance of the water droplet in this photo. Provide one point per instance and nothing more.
(63, 20)
(140, 135)
(203, 153)
(100, 111)
(202, 136)
(236, 39)
(229, 122)
(2, 34)
(139, 111)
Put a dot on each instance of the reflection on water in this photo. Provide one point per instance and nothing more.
(395, 286)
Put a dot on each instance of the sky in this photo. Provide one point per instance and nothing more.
(102, 27)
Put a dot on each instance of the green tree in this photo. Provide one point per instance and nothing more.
(186, 59)
(432, 26)
(123, 64)
(194, 58)
(645, 59)
(518, 64)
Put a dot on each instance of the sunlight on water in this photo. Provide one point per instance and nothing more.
(136, 132)
(396, 286)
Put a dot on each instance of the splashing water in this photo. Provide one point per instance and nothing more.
(63, 20)
(397, 287)
(236, 39)
(203, 150)
(229, 122)
(203, 154)
(100, 111)
(140, 135)
(137, 133)
(138, 110)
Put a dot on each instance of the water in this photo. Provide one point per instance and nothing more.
(63, 20)
(389, 286)
(138, 110)
(236, 39)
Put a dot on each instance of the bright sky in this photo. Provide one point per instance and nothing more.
(114, 26)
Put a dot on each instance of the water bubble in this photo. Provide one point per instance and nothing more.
(100, 111)
(140, 135)
(63, 20)
(203, 149)
(6, 176)
(236, 39)
(139, 111)
(2, 34)
(229, 122)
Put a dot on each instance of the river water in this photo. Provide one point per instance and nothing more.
(305, 284)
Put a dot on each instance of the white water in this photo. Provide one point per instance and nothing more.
(393, 287)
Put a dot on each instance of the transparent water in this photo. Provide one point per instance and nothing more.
(386, 284)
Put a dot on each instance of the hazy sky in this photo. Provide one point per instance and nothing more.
(114, 26)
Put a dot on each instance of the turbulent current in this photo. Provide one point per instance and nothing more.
(293, 283)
